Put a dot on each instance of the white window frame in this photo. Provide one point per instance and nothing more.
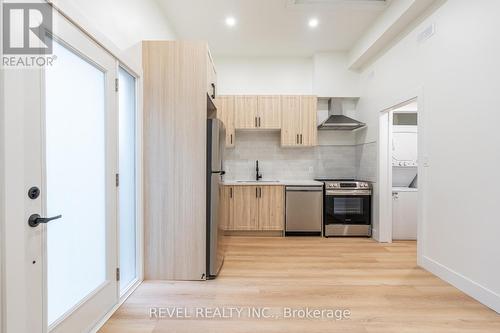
(138, 185)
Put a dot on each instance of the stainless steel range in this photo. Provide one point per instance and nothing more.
(347, 207)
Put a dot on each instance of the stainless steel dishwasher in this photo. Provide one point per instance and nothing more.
(304, 210)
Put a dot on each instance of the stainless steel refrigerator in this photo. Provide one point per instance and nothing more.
(216, 135)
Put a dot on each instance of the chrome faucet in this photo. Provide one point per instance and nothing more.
(257, 174)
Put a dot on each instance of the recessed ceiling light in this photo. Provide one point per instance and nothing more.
(230, 21)
(313, 23)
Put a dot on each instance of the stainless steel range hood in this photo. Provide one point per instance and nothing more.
(337, 120)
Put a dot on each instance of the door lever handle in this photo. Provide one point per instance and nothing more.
(35, 219)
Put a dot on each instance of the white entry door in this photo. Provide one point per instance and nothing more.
(68, 265)
(79, 167)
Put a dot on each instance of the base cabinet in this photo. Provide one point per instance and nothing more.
(404, 215)
(271, 208)
(245, 202)
(253, 208)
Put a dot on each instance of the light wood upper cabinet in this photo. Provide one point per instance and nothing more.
(295, 116)
(299, 117)
(211, 78)
(225, 112)
(253, 208)
(257, 112)
(245, 112)
(290, 121)
(309, 114)
(246, 214)
(269, 112)
(271, 208)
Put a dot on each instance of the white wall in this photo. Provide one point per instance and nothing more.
(457, 75)
(264, 75)
(123, 23)
(325, 74)
(332, 78)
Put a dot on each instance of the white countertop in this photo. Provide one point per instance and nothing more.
(286, 182)
(404, 189)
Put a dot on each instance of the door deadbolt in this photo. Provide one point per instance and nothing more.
(34, 192)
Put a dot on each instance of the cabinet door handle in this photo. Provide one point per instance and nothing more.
(297, 139)
(231, 192)
(256, 122)
(259, 121)
(301, 139)
(260, 192)
(213, 90)
(231, 139)
(256, 192)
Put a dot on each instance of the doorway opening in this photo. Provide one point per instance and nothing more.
(399, 171)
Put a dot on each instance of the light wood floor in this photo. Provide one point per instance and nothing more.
(380, 284)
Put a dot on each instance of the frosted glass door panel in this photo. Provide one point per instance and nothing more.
(127, 189)
(76, 181)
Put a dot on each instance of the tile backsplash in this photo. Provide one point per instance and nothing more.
(366, 164)
(275, 162)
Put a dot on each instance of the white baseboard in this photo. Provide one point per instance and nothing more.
(108, 315)
(471, 288)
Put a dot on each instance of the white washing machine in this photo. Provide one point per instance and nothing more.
(404, 156)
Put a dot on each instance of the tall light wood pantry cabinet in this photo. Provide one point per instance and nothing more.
(178, 75)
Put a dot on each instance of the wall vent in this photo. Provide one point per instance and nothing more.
(427, 33)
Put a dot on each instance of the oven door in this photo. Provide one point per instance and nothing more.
(348, 207)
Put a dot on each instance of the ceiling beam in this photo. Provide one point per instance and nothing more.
(393, 21)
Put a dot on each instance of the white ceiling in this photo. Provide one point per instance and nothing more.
(272, 27)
